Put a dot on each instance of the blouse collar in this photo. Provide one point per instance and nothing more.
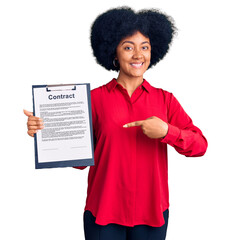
(113, 83)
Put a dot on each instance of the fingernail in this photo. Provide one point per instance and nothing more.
(125, 125)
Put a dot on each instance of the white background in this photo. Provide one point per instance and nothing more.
(47, 42)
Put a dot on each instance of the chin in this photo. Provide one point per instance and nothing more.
(138, 74)
(134, 73)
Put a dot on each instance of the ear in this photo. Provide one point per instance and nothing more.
(116, 58)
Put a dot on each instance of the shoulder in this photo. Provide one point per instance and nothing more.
(158, 93)
(99, 95)
(104, 89)
(96, 91)
(166, 99)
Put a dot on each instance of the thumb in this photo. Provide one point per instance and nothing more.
(27, 113)
(133, 124)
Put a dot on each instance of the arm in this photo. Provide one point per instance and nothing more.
(186, 138)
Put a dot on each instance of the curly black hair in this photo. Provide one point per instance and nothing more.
(115, 24)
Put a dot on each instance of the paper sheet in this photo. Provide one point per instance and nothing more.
(67, 134)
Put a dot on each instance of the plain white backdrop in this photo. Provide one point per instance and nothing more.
(47, 42)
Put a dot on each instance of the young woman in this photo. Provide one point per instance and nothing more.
(133, 123)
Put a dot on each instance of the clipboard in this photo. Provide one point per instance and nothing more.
(67, 139)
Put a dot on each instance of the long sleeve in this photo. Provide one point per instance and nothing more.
(81, 168)
(185, 137)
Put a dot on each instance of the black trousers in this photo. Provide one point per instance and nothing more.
(113, 231)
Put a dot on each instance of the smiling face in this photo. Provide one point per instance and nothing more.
(134, 55)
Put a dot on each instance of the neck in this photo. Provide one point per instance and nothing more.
(130, 83)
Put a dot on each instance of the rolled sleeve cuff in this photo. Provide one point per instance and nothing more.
(172, 135)
(81, 168)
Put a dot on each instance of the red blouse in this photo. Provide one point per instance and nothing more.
(129, 183)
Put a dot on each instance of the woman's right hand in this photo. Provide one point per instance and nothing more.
(33, 123)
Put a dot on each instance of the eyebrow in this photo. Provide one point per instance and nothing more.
(134, 43)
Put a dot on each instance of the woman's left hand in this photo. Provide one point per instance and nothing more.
(153, 127)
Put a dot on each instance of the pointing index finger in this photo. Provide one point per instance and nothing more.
(133, 124)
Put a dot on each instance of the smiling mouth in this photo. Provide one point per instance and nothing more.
(137, 65)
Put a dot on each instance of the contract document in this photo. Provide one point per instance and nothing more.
(67, 137)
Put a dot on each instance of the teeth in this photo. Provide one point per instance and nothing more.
(137, 64)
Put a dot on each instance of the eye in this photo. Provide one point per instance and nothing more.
(128, 48)
(145, 47)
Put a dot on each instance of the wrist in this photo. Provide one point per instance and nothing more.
(165, 129)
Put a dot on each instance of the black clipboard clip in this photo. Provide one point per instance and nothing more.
(68, 87)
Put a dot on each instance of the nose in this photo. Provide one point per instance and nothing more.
(137, 54)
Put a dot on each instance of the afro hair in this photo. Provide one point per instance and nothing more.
(114, 25)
